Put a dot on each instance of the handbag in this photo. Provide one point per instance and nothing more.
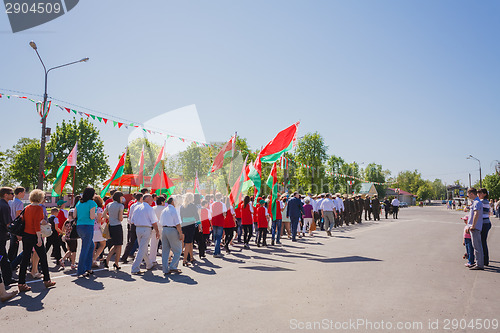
(46, 230)
(105, 231)
(16, 227)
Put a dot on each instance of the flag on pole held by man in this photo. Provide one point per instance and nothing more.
(254, 173)
(272, 182)
(116, 174)
(140, 175)
(63, 172)
(196, 184)
(283, 142)
(226, 152)
(235, 195)
(160, 183)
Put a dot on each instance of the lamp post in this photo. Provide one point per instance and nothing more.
(480, 176)
(44, 117)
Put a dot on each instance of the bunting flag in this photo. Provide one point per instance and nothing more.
(63, 172)
(140, 175)
(160, 183)
(283, 142)
(225, 152)
(196, 184)
(272, 182)
(116, 174)
(235, 195)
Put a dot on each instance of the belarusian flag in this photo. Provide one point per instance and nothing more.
(63, 172)
(226, 151)
(196, 184)
(272, 182)
(247, 182)
(283, 142)
(254, 173)
(160, 183)
(235, 195)
(116, 174)
(140, 175)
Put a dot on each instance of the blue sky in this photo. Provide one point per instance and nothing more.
(405, 84)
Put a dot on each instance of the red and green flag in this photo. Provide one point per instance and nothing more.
(254, 173)
(283, 142)
(116, 174)
(63, 172)
(235, 195)
(272, 182)
(196, 184)
(226, 152)
(160, 183)
(140, 175)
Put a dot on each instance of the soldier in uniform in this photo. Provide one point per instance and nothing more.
(358, 209)
(376, 208)
(367, 206)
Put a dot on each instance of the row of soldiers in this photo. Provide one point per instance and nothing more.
(351, 210)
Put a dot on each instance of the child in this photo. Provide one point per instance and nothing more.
(70, 237)
(468, 244)
(54, 240)
(262, 223)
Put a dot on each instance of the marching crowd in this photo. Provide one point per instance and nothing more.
(154, 222)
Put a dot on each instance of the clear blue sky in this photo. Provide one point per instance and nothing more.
(405, 84)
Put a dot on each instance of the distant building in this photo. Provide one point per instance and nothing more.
(368, 188)
(402, 196)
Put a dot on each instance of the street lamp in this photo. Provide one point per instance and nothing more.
(480, 177)
(44, 118)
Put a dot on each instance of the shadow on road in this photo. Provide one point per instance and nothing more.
(344, 259)
(27, 301)
(89, 283)
(268, 268)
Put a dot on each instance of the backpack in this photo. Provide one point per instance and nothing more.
(16, 227)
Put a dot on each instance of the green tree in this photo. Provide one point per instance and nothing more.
(24, 160)
(151, 151)
(337, 184)
(492, 184)
(91, 167)
(424, 191)
(438, 189)
(350, 169)
(410, 181)
(311, 151)
(374, 173)
(194, 159)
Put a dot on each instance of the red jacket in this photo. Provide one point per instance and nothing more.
(262, 218)
(229, 220)
(217, 217)
(246, 215)
(205, 221)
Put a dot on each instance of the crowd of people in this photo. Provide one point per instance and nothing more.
(174, 225)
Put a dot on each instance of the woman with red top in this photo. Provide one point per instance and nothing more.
(205, 223)
(32, 238)
(256, 218)
(246, 220)
(218, 215)
(229, 225)
(262, 223)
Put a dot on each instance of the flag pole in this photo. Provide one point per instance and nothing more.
(124, 161)
(232, 157)
(73, 194)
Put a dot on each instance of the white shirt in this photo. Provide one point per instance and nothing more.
(158, 210)
(144, 215)
(131, 211)
(313, 203)
(339, 204)
(169, 217)
(327, 205)
(319, 203)
(395, 202)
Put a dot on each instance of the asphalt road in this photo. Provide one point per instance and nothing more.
(404, 275)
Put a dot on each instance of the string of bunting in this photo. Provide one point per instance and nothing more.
(284, 162)
(101, 119)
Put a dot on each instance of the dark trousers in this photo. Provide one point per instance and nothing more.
(247, 233)
(132, 238)
(368, 214)
(201, 241)
(13, 247)
(395, 210)
(29, 242)
(376, 214)
(484, 235)
(386, 213)
(239, 229)
(262, 235)
(229, 232)
(295, 224)
(5, 262)
(55, 242)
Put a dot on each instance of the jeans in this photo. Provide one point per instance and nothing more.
(276, 230)
(13, 247)
(170, 241)
(143, 235)
(218, 237)
(247, 233)
(478, 247)
(229, 232)
(470, 250)
(484, 235)
(295, 223)
(239, 229)
(5, 263)
(29, 242)
(131, 240)
(86, 233)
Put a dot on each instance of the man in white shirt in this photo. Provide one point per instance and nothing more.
(395, 207)
(319, 202)
(339, 207)
(144, 218)
(172, 238)
(328, 212)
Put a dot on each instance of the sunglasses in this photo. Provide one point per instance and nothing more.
(11, 193)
